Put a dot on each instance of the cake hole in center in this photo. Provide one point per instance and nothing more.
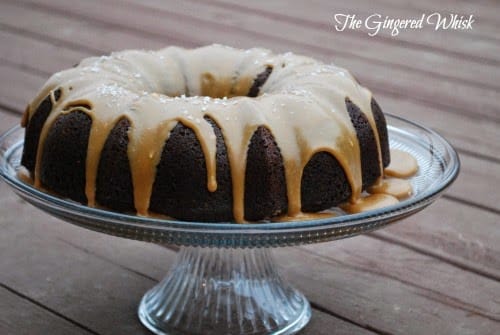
(229, 87)
(214, 87)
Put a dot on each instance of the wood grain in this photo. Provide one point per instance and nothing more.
(49, 57)
(7, 120)
(22, 85)
(320, 15)
(458, 233)
(21, 316)
(442, 282)
(389, 305)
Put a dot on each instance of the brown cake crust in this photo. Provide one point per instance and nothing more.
(324, 183)
(62, 166)
(33, 130)
(265, 185)
(370, 166)
(381, 124)
(114, 187)
(180, 187)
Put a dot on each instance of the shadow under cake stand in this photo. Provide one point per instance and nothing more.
(225, 280)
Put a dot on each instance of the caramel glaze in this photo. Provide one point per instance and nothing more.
(373, 201)
(302, 103)
(387, 191)
(399, 188)
(305, 216)
(403, 165)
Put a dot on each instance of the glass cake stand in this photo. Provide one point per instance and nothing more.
(225, 280)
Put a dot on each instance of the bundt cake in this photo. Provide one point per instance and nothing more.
(209, 134)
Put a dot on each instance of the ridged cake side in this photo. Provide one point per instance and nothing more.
(309, 139)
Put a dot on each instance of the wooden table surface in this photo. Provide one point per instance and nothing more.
(436, 272)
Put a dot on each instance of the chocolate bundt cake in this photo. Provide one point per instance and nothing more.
(208, 134)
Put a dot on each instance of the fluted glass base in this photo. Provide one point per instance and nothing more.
(224, 291)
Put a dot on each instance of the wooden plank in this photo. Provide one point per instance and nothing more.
(48, 57)
(439, 94)
(324, 324)
(319, 14)
(459, 233)
(478, 182)
(21, 317)
(445, 234)
(166, 38)
(388, 305)
(443, 282)
(482, 136)
(8, 120)
(19, 87)
(76, 34)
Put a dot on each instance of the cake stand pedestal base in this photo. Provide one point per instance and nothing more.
(224, 291)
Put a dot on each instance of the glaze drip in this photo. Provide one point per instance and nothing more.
(402, 165)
